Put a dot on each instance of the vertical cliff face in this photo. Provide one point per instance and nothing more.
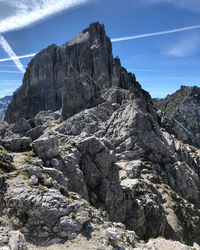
(69, 76)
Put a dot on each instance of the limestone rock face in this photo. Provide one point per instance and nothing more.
(100, 162)
(69, 77)
(182, 111)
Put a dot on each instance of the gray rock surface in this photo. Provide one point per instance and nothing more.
(46, 147)
(67, 81)
(12, 240)
(21, 127)
(181, 114)
(35, 133)
(17, 144)
(103, 163)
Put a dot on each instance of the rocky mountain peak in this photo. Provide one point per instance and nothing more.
(182, 108)
(80, 73)
(79, 70)
(95, 33)
(86, 160)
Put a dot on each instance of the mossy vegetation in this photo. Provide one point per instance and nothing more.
(66, 147)
(184, 215)
(29, 153)
(6, 165)
(25, 175)
(51, 125)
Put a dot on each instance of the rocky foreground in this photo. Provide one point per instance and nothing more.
(86, 161)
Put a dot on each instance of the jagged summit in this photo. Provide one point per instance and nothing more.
(183, 109)
(70, 76)
(107, 171)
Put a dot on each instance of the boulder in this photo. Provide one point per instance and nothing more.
(21, 127)
(34, 133)
(17, 144)
(46, 148)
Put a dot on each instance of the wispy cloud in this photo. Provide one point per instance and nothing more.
(22, 13)
(185, 47)
(155, 33)
(17, 57)
(31, 11)
(8, 65)
(11, 53)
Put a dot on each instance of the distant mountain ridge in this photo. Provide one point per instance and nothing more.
(182, 108)
(4, 101)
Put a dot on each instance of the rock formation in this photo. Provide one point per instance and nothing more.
(86, 160)
(4, 105)
(69, 77)
(181, 113)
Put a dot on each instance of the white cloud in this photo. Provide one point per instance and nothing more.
(11, 53)
(155, 33)
(21, 13)
(185, 47)
(27, 12)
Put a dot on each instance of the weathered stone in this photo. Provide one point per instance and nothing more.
(46, 147)
(21, 127)
(34, 133)
(12, 240)
(17, 144)
(182, 114)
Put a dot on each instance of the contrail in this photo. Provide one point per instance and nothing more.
(27, 14)
(17, 57)
(154, 34)
(11, 71)
(11, 53)
(8, 65)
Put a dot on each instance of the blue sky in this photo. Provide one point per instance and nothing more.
(161, 62)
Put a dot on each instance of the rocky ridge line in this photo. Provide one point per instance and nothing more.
(104, 169)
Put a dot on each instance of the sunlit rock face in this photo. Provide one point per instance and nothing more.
(182, 109)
